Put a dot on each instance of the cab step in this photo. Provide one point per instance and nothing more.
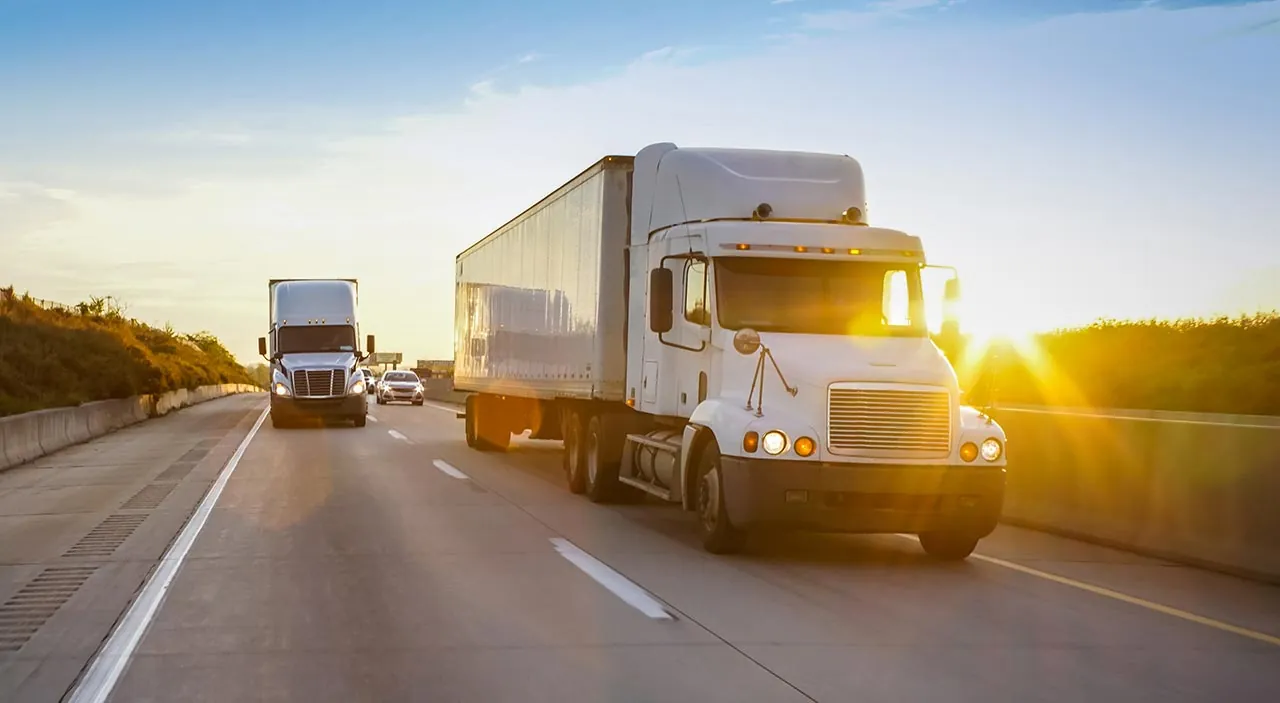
(649, 488)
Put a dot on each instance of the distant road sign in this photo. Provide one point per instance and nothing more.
(386, 358)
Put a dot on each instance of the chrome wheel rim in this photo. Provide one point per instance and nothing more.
(709, 499)
(592, 469)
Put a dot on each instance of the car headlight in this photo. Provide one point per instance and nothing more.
(281, 390)
(774, 442)
(357, 388)
(992, 449)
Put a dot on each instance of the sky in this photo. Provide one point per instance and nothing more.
(1074, 160)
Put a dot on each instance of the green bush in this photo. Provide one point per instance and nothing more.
(1222, 366)
(61, 356)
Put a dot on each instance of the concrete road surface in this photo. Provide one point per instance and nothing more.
(392, 563)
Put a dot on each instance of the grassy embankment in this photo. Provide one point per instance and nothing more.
(64, 356)
(1220, 366)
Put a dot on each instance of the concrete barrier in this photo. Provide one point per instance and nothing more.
(32, 435)
(441, 390)
(1192, 488)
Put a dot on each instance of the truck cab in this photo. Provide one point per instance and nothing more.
(786, 358)
(314, 354)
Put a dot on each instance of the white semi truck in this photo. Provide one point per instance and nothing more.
(314, 353)
(722, 329)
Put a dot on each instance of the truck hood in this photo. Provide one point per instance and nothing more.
(814, 361)
(318, 360)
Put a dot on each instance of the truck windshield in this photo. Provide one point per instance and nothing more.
(806, 296)
(400, 377)
(316, 338)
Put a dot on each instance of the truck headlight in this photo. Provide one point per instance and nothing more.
(282, 390)
(357, 388)
(992, 449)
(774, 442)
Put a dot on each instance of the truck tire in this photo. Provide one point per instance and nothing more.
(492, 430)
(359, 420)
(949, 546)
(278, 423)
(575, 459)
(601, 464)
(719, 536)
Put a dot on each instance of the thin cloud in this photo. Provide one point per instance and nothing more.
(844, 20)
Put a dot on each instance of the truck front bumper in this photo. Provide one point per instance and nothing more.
(866, 498)
(346, 408)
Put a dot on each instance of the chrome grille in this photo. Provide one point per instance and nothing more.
(888, 421)
(319, 383)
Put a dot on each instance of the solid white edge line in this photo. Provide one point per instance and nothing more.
(1122, 597)
(110, 662)
(398, 435)
(449, 469)
(622, 587)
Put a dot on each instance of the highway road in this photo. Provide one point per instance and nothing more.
(392, 563)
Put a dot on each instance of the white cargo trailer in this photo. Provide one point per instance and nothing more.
(721, 328)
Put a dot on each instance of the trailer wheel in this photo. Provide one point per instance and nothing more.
(719, 536)
(473, 440)
(602, 465)
(492, 430)
(574, 453)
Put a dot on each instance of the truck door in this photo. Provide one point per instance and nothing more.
(676, 361)
(693, 328)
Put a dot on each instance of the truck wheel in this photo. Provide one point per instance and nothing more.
(575, 461)
(473, 440)
(602, 467)
(359, 420)
(719, 536)
(492, 431)
(948, 546)
(278, 423)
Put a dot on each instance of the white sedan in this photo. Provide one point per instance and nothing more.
(400, 386)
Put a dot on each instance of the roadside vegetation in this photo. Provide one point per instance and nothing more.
(1225, 365)
(55, 356)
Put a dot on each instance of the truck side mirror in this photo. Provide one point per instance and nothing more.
(368, 345)
(950, 341)
(951, 290)
(661, 297)
(262, 346)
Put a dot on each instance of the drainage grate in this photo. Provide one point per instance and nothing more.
(103, 540)
(176, 472)
(27, 611)
(148, 498)
(193, 456)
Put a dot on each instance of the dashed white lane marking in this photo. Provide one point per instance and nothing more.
(1123, 597)
(622, 587)
(371, 418)
(449, 469)
(443, 408)
(105, 670)
(398, 436)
